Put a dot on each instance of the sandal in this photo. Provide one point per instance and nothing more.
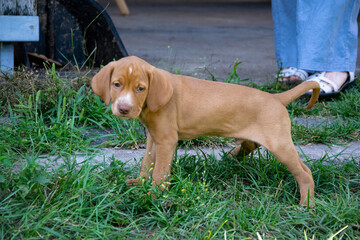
(291, 71)
(327, 87)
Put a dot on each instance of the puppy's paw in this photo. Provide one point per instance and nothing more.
(135, 181)
(151, 194)
(160, 187)
(161, 184)
(307, 203)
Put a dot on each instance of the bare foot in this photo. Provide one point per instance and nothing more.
(338, 78)
(290, 79)
(292, 75)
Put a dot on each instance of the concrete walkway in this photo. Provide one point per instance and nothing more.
(132, 158)
(306, 153)
(196, 38)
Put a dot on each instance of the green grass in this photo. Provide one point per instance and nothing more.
(207, 199)
(56, 113)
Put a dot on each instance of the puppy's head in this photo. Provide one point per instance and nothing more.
(132, 84)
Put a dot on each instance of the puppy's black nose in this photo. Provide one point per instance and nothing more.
(124, 109)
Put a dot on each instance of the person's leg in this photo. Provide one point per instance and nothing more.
(284, 18)
(327, 37)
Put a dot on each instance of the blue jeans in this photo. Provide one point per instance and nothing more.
(316, 35)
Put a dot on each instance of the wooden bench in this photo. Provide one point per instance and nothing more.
(16, 27)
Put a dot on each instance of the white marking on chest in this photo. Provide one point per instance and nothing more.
(125, 100)
(130, 69)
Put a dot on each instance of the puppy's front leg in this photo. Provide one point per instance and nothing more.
(147, 164)
(148, 161)
(164, 159)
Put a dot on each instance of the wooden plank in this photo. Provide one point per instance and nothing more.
(6, 56)
(19, 28)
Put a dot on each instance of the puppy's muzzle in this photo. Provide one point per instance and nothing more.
(124, 109)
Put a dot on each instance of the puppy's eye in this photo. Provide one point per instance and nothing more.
(140, 89)
(117, 85)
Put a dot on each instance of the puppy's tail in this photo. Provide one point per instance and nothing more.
(290, 95)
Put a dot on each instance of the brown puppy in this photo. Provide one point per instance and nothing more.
(174, 107)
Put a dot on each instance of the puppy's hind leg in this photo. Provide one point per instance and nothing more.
(285, 152)
(244, 148)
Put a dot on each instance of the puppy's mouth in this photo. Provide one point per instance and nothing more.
(125, 117)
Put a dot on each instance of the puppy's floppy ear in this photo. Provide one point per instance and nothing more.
(160, 89)
(101, 83)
